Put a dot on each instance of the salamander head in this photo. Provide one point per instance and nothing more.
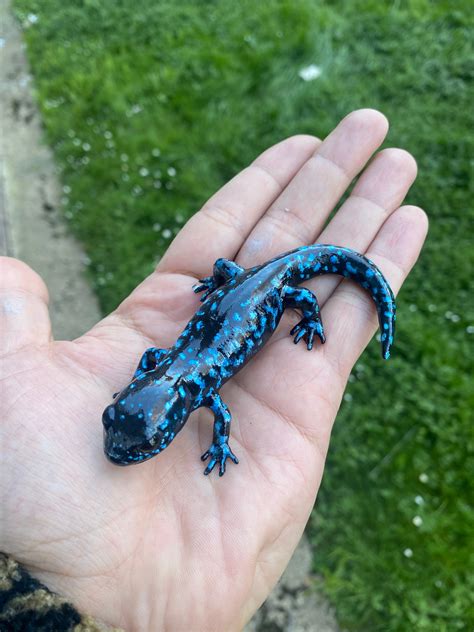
(144, 418)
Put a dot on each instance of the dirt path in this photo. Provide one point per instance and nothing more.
(31, 226)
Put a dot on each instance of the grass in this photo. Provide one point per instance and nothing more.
(150, 106)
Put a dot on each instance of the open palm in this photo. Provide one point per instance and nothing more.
(159, 546)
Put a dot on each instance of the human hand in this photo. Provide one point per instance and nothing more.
(159, 546)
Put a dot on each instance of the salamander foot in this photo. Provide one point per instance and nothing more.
(306, 329)
(219, 453)
(207, 285)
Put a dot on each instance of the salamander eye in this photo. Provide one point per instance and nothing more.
(149, 445)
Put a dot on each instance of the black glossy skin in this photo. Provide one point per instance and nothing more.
(241, 309)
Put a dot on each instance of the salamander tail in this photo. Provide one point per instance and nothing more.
(356, 267)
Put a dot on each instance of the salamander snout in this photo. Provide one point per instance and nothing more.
(144, 418)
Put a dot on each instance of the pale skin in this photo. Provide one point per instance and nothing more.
(159, 546)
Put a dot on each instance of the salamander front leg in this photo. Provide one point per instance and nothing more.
(303, 299)
(224, 270)
(219, 450)
(150, 360)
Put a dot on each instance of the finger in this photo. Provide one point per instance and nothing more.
(24, 318)
(298, 215)
(378, 193)
(224, 222)
(349, 315)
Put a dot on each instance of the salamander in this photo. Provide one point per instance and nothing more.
(240, 309)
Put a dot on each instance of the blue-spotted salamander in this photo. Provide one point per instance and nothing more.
(240, 310)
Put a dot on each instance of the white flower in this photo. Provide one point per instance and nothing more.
(155, 152)
(166, 233)
(417, 521)
(423, 478)
(135, 109)
(408, 553)
(143, 172)
(309, 73)
(31, 18)
(419, 500)
(171, 172)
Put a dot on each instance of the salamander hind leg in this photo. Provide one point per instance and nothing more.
(224, 270)
(219, 451)
(311, 324)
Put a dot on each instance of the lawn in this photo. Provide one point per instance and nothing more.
(150, 106)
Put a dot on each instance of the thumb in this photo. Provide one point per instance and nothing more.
(24, 317)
